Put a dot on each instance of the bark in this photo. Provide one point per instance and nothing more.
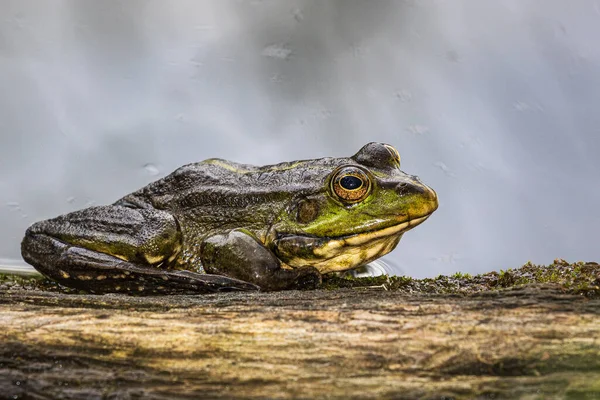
(534, 341)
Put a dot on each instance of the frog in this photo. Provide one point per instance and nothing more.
(217, 226)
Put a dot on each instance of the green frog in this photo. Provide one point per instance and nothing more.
(218, 226)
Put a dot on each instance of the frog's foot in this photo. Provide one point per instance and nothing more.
(116, 249)
(240, 254)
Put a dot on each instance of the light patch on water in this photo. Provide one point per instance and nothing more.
(418, 129)
(277, 51)
(447, 171)
(405, 96)
(151, 169)
(8, 266)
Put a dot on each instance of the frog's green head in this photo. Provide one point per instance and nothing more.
(355, 210)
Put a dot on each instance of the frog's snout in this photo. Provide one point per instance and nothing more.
(430, 194)
(415, 187)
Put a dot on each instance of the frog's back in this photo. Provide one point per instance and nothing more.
(216, 195)
(220, 183)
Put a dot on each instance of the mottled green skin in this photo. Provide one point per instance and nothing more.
(218, 225)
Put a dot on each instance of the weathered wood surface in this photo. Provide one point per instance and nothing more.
(531, 342)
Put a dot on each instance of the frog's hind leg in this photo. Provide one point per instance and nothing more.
(117, 249)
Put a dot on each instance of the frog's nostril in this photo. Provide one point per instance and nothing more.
(405, 188)
(401, 188)
(416, 188)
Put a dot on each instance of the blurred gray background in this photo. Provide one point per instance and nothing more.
(493, 103)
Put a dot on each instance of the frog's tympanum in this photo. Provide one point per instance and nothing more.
(217, 226)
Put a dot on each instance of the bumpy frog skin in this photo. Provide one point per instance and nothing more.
(217, 225)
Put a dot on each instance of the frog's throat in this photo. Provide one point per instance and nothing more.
(347, 252)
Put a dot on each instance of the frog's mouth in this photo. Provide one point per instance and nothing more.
(344, 252)
(359, 239)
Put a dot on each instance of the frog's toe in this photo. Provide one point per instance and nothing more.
(309, 278)
(219, 283)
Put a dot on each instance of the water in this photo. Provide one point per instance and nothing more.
(16, 267)
(493, 104)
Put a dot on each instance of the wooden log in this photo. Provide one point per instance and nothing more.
(532, 341)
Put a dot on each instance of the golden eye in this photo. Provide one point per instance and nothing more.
(351, 184)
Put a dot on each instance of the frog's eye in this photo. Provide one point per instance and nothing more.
(378, 155)
(351, 184)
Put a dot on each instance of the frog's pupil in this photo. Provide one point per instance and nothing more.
(350, 182)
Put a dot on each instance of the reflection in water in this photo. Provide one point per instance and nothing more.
(377, 268)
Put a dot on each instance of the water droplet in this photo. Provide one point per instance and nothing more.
(276, 78)
(444, 169)
(404, 96)
(525, 107)
(521, 106)
(151, 169)
(450, 258)
(277, 51)
(14, 206)
(418, 129)
(298, 15)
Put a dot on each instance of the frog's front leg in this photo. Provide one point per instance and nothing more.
(239, 254)
(117, 249)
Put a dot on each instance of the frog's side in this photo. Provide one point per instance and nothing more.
(217, 225)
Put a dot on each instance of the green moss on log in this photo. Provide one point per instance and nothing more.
(582, 278)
